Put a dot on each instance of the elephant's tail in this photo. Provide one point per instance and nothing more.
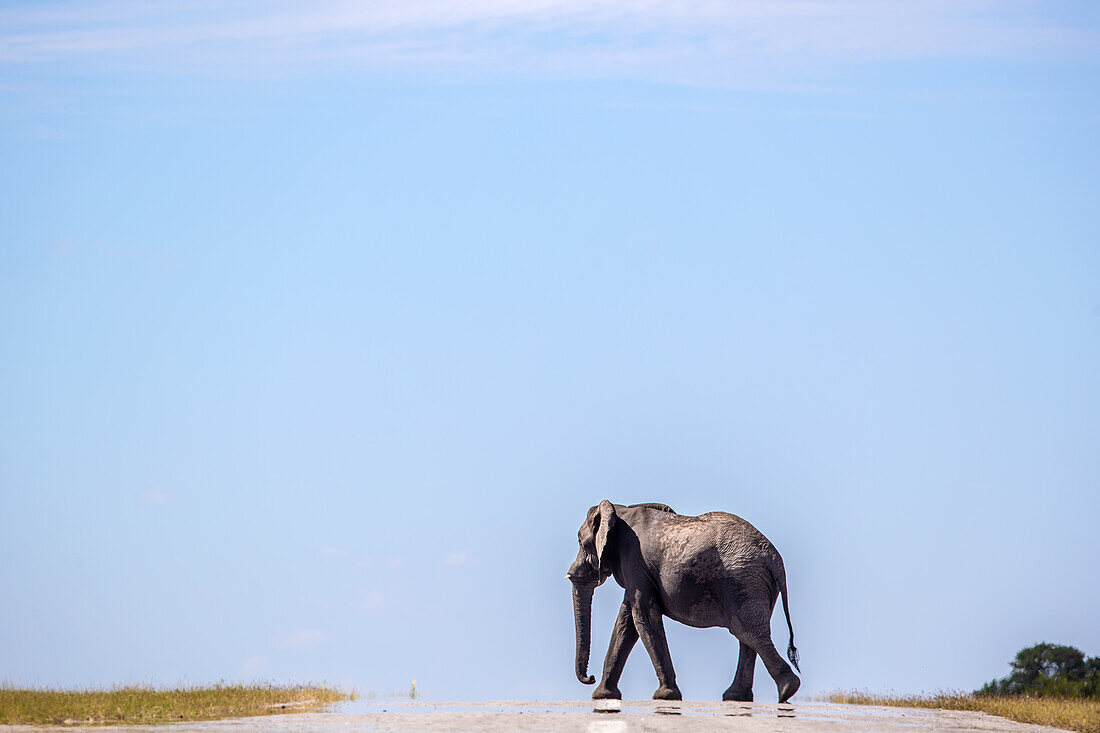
(781, 577)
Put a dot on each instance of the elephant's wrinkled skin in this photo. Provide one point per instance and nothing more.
(712, 570)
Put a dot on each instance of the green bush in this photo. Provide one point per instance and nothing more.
(1049, 670)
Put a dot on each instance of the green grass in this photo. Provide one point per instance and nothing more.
(142, 705)
(1079, 714)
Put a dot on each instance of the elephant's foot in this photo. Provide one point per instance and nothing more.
(737, 694)
(667, 693)
(788, 684)
(606, 692)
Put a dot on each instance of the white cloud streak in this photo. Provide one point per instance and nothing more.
(687, 40)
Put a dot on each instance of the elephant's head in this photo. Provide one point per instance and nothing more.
(591, 568)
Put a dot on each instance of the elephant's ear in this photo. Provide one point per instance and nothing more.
(607, 520)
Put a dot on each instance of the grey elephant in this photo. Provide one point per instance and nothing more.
(712, 570)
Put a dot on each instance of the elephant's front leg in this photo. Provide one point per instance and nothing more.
(623, 638)
(651, 628)
(741, 689)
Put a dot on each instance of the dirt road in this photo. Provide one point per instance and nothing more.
(572, 717)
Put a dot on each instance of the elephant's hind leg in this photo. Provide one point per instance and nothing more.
(741, 689)
(623, 638)
(756, 632)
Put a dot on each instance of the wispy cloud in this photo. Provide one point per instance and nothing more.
(302, 640)
(692, 40)
(457, 558)
(156, 496)
(338, 553)
(373, 601)
(253, 664)
(361, 562)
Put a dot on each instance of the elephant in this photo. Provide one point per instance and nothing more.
(712, 570)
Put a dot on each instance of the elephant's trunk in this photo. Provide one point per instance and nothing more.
(582, 617)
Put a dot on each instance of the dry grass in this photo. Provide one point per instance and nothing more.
(140, 705)
(1069, 713)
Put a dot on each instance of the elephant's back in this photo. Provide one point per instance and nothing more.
(710, 561)
(715, 543)
(732, 526)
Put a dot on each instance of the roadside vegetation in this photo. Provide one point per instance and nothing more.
(143, 705)
(1050, 684)
(1069, 713)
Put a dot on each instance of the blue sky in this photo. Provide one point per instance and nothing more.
(322, 329)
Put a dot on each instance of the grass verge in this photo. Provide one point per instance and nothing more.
(143, 705)
(1077, 714)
